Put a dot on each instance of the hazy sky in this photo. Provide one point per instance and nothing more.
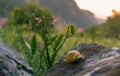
(99, 7)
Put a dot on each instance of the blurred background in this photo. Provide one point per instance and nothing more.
(97, 21)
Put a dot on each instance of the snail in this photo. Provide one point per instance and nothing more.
(73, 57)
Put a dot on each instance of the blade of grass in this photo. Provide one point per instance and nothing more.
(33, 45)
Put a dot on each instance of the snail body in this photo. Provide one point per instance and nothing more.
(73, 56)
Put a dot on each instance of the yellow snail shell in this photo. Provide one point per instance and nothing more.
(73, 56)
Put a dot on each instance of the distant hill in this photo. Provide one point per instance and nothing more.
(68, 10)
(7, 5)
(108, 29)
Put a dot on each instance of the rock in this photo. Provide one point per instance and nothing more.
(98, 61)
(12, 63)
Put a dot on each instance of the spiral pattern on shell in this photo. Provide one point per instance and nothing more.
(72, 56)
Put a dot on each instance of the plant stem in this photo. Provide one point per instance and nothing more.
(45, 33)
(47, 53)
(57, 49)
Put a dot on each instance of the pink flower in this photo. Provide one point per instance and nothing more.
(38, 20)
(52, 21)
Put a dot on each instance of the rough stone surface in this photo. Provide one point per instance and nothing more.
(11, 63)
(98, 61)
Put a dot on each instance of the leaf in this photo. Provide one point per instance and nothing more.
(54, 38)
(58, 40)
(28, 45)
(58, 44)
(42, 35)
(33, 45)
(72, 29)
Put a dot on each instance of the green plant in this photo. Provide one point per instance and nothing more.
(92, 35)
(24, 16)
(51, 43)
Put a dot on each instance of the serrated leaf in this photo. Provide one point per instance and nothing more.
(33, 45)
